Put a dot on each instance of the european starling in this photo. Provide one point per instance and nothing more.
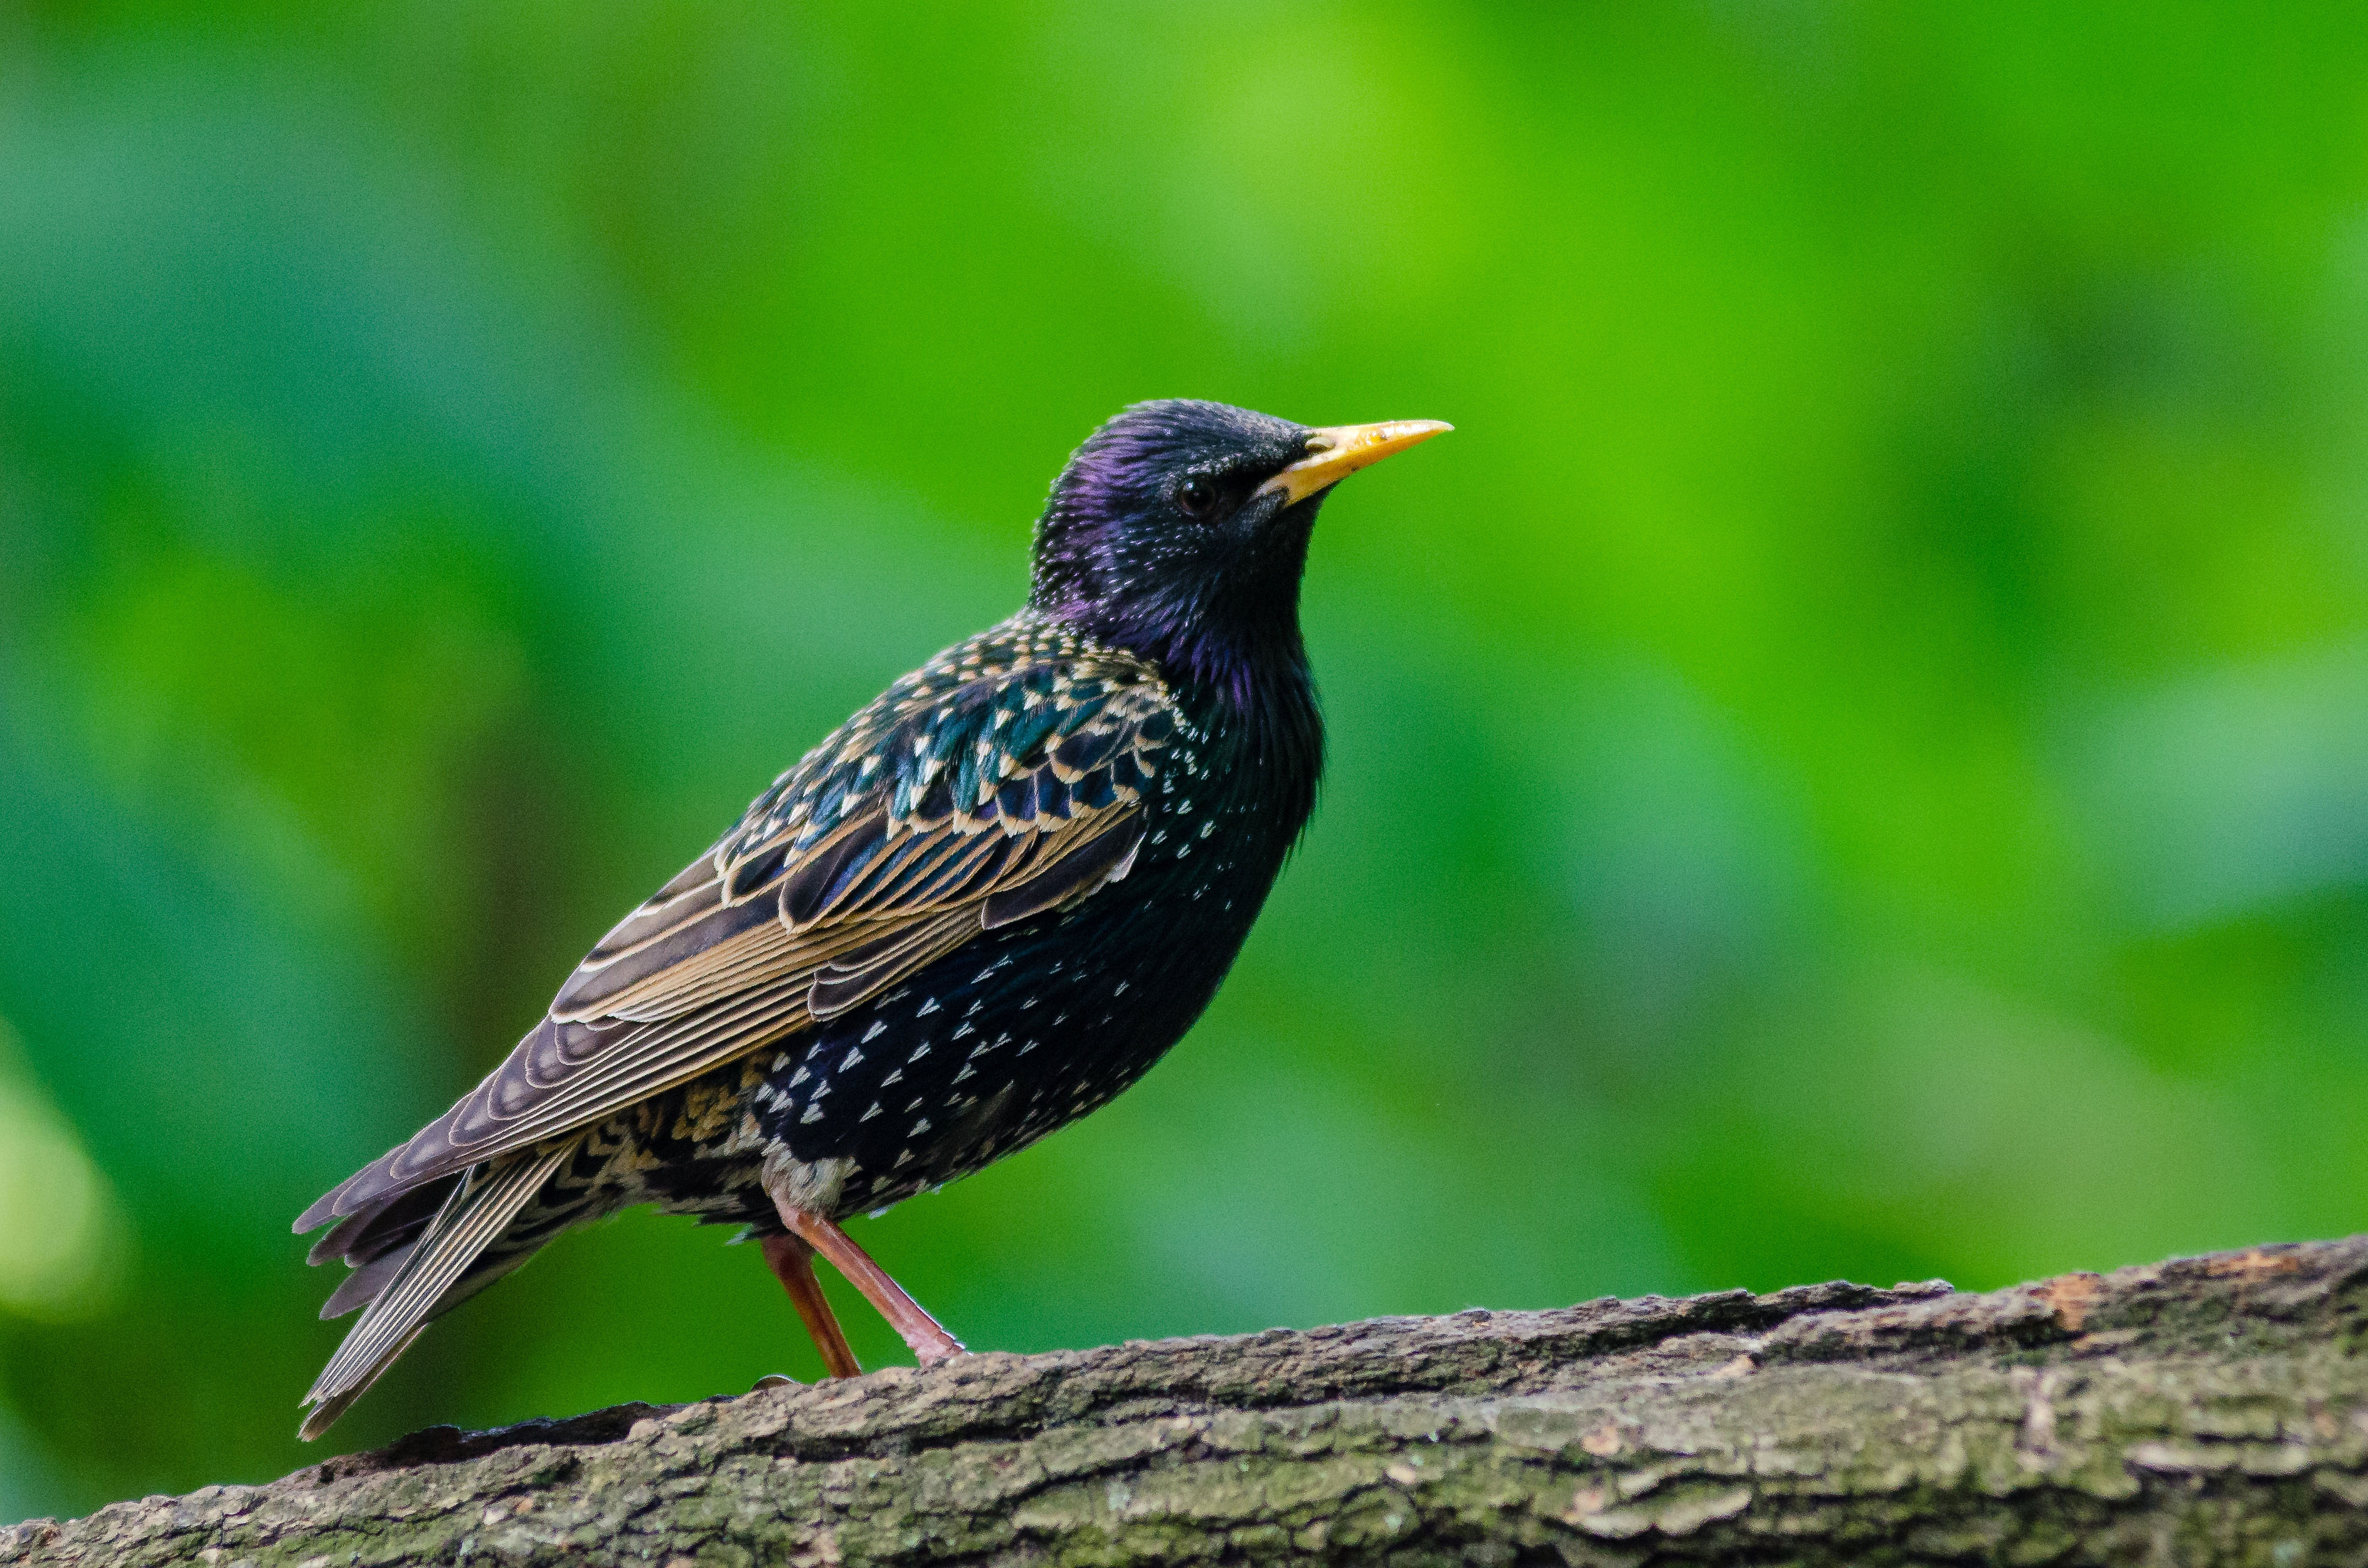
(985, 905)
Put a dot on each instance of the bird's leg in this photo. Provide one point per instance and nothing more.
(930, 1342)
(792, 1262)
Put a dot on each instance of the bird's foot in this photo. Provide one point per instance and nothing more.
(937, 1349)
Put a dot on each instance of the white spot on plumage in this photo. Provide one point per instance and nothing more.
(879, 1027)
(927, 1008)
(870, 1114)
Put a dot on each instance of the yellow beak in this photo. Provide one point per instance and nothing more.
(1337, 451)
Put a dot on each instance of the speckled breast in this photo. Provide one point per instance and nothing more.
(1031, 1025)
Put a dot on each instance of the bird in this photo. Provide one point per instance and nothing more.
(985, 905)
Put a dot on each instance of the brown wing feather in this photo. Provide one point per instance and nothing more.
(872, 858)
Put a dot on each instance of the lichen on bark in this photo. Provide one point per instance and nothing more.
(2208, 1410)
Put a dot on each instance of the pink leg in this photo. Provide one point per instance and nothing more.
(792, 1262)
(930, 1342)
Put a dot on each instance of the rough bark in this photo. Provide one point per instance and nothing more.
(2210, 1410)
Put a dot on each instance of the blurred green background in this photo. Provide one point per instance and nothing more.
(1853, 760)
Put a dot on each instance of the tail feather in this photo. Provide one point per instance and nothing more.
(423, 1284)
(386, 1226)
(364, 1285)
(325, 1415)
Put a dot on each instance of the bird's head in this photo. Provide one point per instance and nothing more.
(1180, 530)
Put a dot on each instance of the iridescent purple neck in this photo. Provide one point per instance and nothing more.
(1242, 665)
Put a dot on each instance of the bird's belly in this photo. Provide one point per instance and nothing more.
(994, 1046)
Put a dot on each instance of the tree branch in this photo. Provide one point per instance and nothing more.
(2212, 1409)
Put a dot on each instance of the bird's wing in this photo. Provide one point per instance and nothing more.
(979, 791)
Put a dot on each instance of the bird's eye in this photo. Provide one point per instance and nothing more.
(1197, 496)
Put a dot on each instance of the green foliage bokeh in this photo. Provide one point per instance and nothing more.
(1853, 760)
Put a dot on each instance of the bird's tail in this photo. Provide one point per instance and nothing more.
(411, 1287)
